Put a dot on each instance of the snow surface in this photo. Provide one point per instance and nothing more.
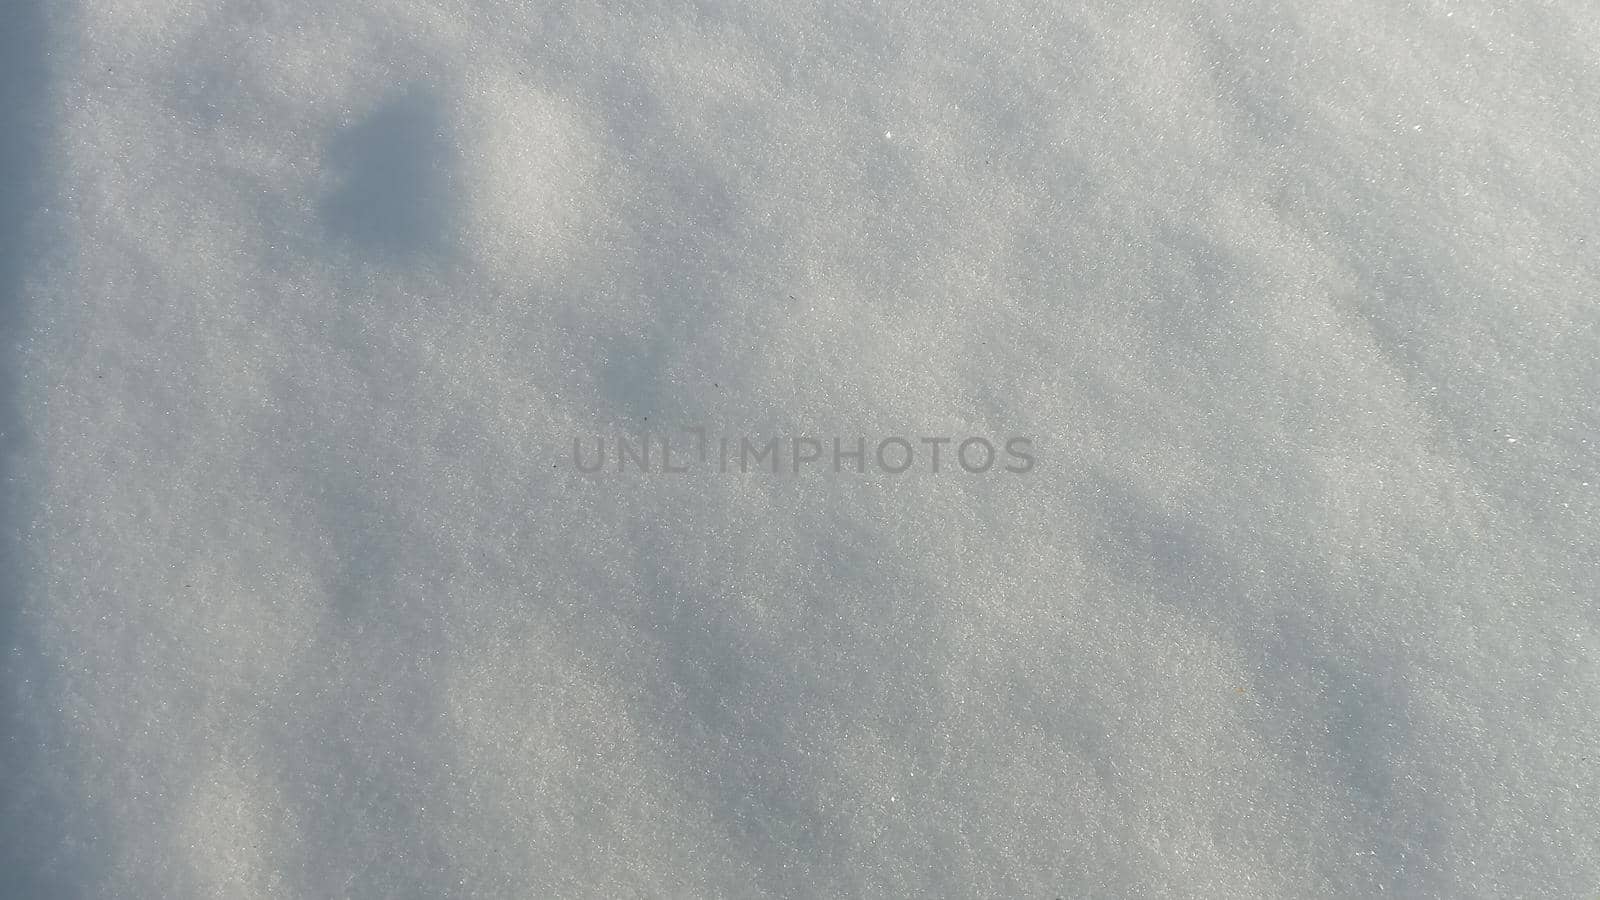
(303, 304)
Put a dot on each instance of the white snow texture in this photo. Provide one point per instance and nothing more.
(302, 305)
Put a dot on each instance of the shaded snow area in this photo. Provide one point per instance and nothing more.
(1295, 306)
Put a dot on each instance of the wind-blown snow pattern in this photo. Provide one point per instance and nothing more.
(304, 304)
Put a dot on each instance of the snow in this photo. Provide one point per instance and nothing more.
(302, 306)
